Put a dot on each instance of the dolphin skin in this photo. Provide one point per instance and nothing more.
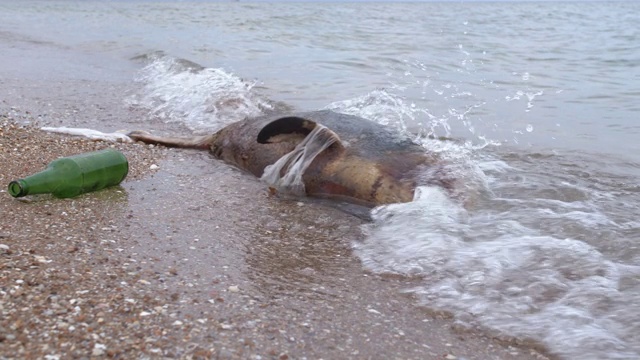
(366, 164)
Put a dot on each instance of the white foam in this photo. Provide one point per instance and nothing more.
(201, 98)
(393, 245)
(90, 134)
(380, 106)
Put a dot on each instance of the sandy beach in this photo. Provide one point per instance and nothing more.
(190, 258)
(195, 260)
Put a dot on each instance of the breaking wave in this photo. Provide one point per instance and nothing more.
(204, 99)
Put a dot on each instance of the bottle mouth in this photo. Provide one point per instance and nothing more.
(16, 189)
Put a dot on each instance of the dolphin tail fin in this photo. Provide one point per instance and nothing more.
(191, 142)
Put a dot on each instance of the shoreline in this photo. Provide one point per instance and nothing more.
(143, 270)
(192, 258)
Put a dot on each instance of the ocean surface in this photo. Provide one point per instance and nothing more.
(541, 99)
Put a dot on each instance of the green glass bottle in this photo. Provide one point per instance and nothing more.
(74, 175)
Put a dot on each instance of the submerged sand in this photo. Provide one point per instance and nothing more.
(190, 258)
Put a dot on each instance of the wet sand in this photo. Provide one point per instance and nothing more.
(194, 259)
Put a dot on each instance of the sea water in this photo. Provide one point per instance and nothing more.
(540, 99)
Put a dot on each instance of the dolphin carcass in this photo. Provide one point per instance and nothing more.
(321, 153)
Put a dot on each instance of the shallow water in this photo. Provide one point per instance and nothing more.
(540, 98)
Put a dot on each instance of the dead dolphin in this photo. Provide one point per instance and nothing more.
(365, 163)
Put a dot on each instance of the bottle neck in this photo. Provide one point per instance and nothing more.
(39, 183)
